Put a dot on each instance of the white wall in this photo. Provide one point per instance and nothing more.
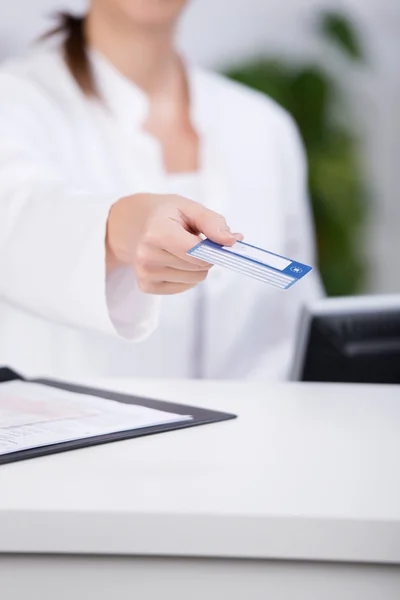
(219, 32)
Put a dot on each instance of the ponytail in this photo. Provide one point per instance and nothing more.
(75, 50)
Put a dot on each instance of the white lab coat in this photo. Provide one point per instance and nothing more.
(64, 160)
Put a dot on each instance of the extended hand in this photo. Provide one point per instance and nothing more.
(153, 233)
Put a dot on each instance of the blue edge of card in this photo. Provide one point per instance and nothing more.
(295, 269)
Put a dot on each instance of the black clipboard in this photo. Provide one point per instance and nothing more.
(200, 416)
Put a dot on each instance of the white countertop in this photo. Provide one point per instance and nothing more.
(307, 471)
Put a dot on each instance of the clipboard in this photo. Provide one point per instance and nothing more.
(199, 416)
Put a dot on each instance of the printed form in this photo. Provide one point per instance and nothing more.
(34, 415)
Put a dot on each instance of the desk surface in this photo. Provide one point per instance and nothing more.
(306, 472)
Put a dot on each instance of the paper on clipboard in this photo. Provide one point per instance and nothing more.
(34, 415)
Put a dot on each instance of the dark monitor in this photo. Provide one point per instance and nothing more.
(355, 339)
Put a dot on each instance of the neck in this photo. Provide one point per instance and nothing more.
(146, 56)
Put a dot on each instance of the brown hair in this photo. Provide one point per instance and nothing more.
(75, 50)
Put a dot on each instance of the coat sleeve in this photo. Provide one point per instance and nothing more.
(52, 237)
(276, 362)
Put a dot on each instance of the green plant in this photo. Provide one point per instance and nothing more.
(336, 183)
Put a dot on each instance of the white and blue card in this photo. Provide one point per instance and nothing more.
(278, 271)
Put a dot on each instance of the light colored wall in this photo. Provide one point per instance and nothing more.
(219, 32)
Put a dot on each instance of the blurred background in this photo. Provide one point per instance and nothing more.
(334, 65)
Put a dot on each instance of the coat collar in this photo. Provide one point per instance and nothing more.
(130, 104)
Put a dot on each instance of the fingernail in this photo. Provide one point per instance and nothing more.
(225, 229)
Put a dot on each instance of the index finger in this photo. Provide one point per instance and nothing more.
(178, 242)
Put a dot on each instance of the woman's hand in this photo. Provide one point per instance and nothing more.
(152, 233)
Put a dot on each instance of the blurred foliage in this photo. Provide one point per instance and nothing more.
(338, 193)
(339, 30)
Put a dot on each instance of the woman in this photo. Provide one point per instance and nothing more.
(115, 157)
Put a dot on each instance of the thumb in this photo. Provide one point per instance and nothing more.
(211, 224)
